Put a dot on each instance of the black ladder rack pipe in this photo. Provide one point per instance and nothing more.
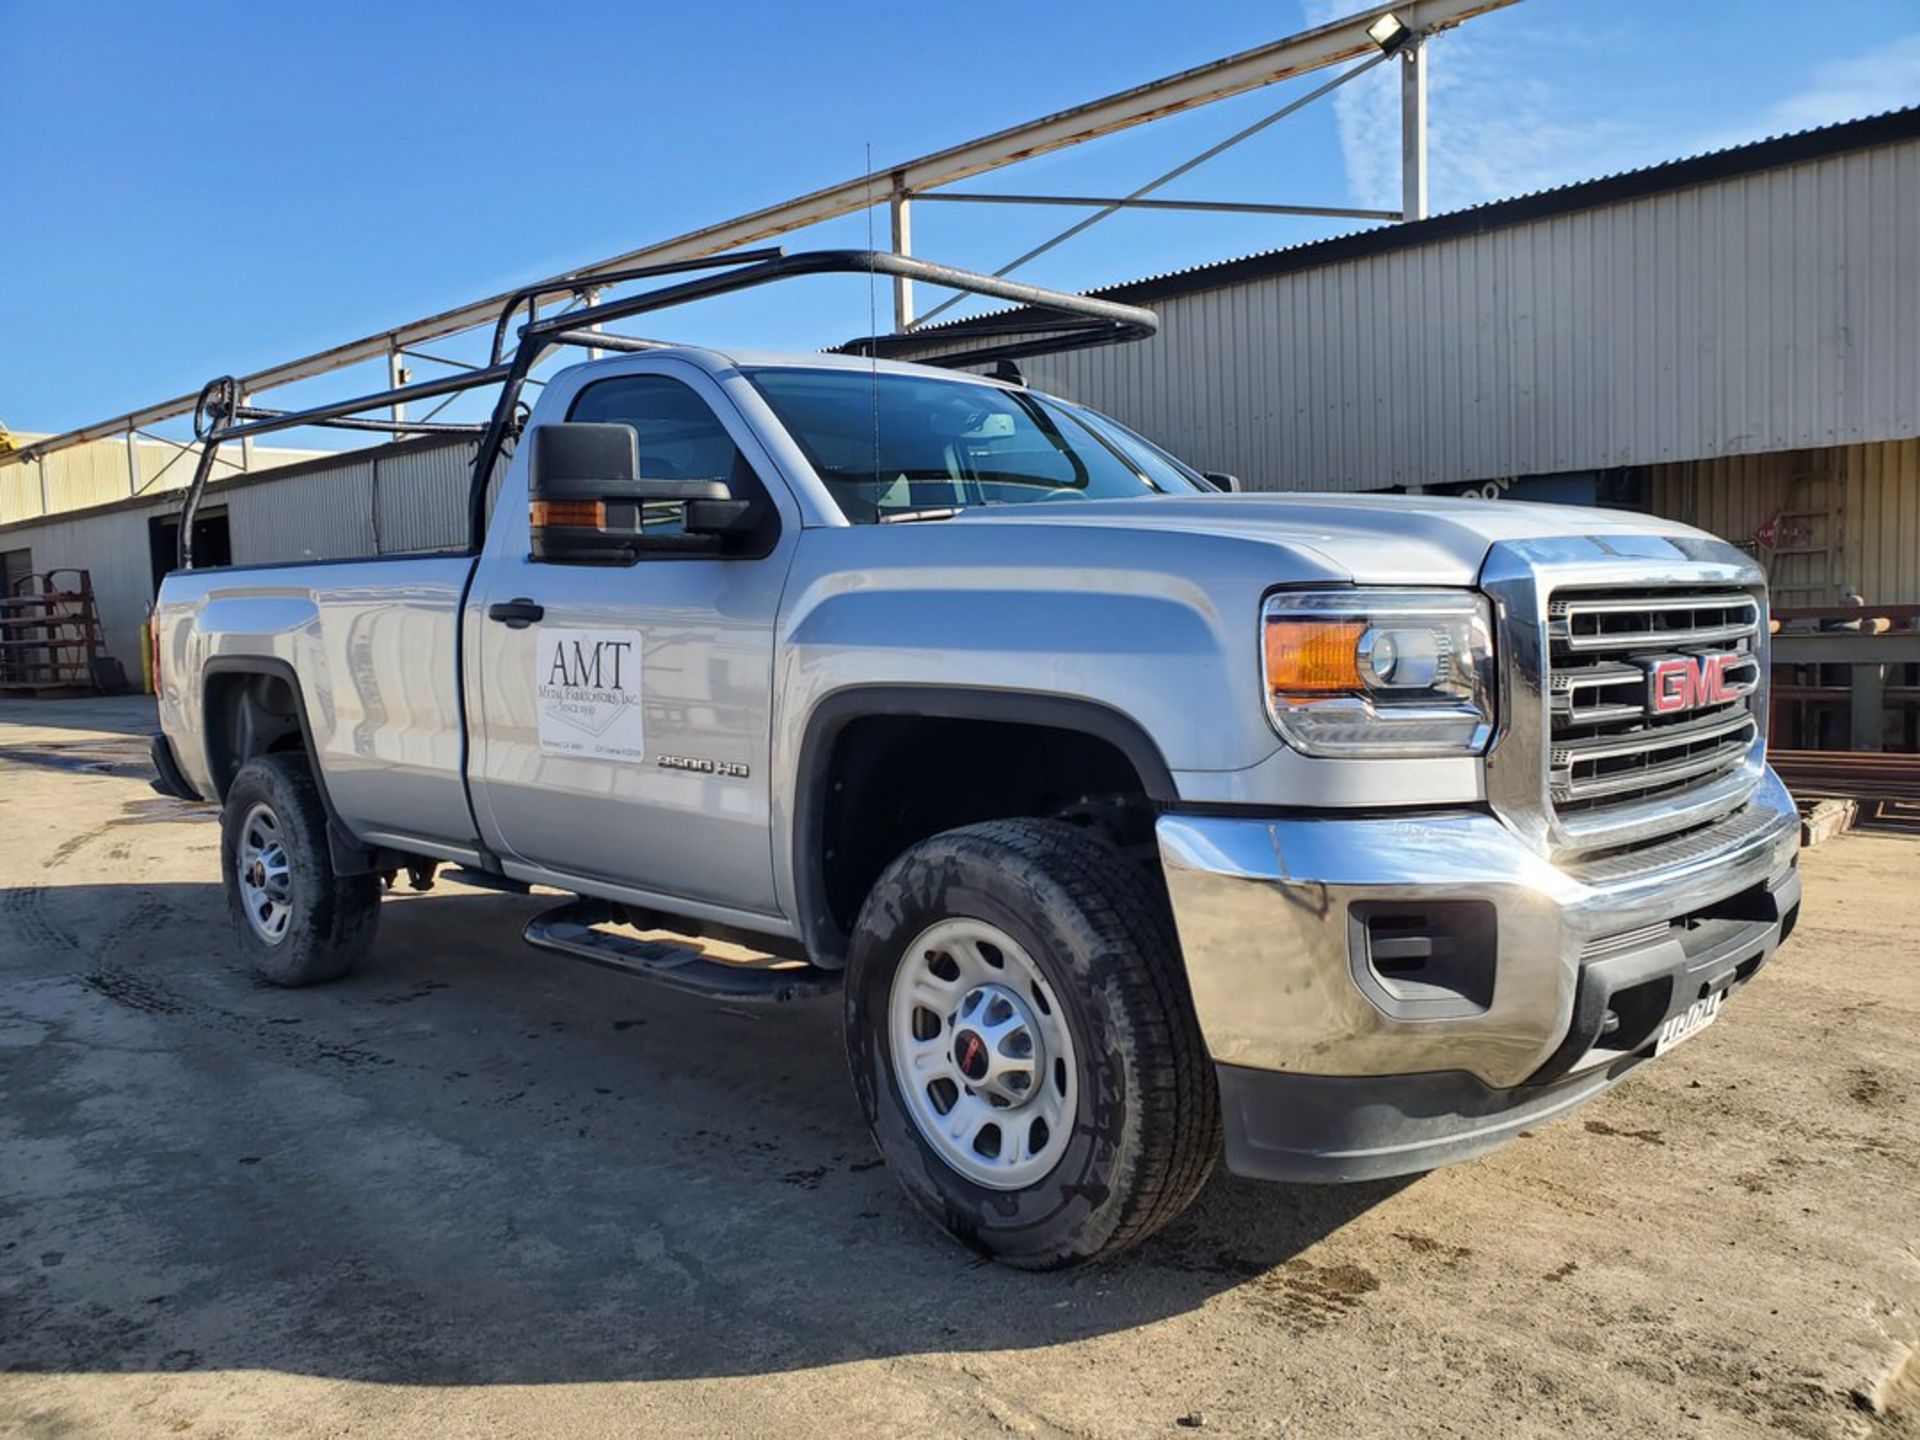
(1084, 321)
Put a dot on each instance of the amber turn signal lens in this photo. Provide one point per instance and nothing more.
(1313, 657)
(571, 514)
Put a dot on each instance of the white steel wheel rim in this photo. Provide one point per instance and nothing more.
(982, 1054)
(265, 870)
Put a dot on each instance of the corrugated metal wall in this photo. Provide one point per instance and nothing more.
(96, 474)
(1883, 520)
(1773, 311)
(420, 499)
(1848, 517)
(367, 503)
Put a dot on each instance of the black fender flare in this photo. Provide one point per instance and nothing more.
(350, 856)
(826, 942)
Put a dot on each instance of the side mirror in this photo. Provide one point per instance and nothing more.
(589, 505)
(1220, 480)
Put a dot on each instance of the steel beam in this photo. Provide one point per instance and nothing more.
(1413, 130)
(1867, 713)
(1254, 69)
(1097, 202)
(1844, 647)
(592, 298)
(396, 377)
(902, 229)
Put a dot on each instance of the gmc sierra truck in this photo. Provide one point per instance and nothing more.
(1138, 823)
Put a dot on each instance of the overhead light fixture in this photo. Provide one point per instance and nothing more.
(1389, 33)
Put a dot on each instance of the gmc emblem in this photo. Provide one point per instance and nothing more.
(1678, 683)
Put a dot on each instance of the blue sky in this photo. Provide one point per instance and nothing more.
(211, 187)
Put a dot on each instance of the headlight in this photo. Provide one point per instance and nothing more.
(1379, 672)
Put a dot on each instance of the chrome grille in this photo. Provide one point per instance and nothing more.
(1650, 697)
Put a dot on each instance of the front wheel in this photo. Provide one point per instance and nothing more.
(299, 922)
(1024, 1046)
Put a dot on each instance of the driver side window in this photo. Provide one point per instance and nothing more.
(680, 438)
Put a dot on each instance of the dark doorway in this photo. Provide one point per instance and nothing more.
(211, 543)
(15, 566)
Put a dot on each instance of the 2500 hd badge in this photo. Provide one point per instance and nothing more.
(728, 769)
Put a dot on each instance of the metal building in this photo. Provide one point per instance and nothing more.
(104, 471)
(1731, 340)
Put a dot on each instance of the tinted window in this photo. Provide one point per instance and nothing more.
(680, 438)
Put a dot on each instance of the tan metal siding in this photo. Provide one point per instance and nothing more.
(1871, 496)
(96, 474)
(1883, 520)
(19, 492)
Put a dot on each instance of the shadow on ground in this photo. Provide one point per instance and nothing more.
(472, 1163)
(103, 714)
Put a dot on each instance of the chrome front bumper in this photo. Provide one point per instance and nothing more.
(1265, 912)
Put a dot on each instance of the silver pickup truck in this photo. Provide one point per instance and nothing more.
(1138, 822)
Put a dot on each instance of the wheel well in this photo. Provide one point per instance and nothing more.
(892, 780)
(248, 714)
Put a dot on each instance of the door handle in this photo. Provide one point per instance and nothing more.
(516, 614)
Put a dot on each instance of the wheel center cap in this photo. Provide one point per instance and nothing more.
(257, 873)
(970, 1054)
(996, 1046)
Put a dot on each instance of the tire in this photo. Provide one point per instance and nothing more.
(1139, 1097)
(307, 925)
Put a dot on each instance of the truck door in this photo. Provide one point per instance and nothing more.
(620, 714)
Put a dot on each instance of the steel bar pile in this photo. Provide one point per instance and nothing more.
(1862, 774)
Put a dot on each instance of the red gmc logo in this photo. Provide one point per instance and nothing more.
(1677, 683)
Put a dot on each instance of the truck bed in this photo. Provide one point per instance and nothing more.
(370, 649)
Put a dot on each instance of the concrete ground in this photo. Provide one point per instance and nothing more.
(475, 1190)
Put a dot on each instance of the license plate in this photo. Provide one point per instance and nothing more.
(1688, 1023)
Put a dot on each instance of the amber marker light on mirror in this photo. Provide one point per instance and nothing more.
(569, 514)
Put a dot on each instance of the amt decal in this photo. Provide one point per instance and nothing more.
(1678, 683)
(586, 684)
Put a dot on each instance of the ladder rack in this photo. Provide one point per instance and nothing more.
(221, 413)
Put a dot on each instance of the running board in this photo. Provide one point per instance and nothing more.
(571, 930)
(485, 880)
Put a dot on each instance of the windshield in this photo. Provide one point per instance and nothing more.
(893, 446)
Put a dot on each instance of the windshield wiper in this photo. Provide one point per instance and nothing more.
(930, 512)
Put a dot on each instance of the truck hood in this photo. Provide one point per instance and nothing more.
(1402, 539)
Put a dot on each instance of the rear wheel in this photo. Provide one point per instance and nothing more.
(299, 922)
(1024, 1046)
